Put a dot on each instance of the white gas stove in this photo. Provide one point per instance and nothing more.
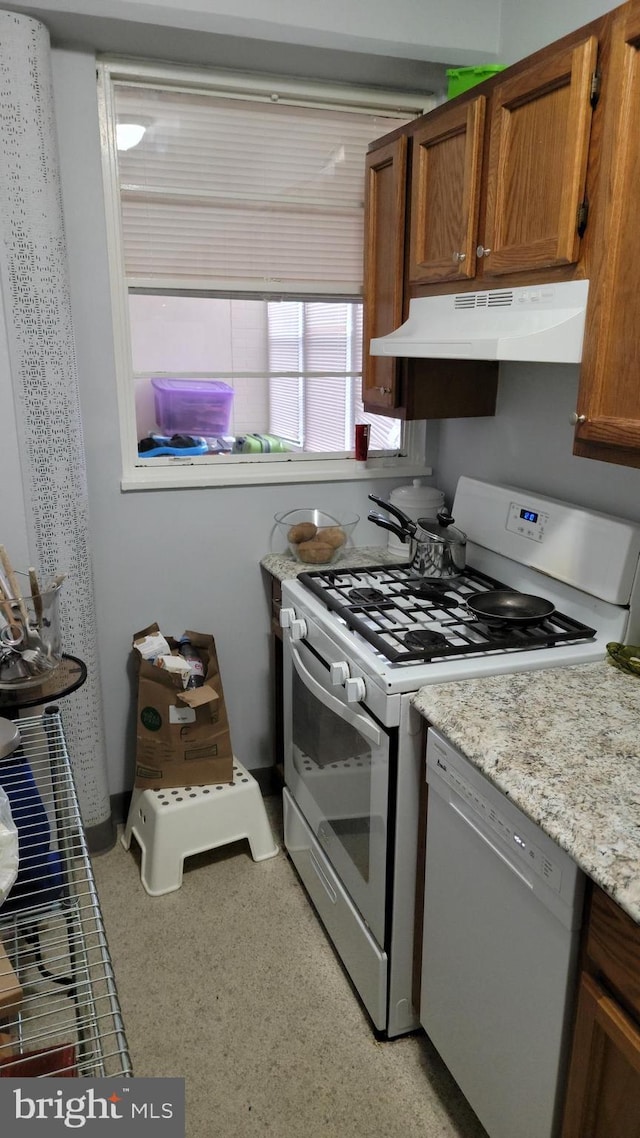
(359, 642)
(403, 632)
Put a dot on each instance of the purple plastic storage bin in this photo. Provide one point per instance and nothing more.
(192, 406)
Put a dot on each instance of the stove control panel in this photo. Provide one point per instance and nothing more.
(527, 522)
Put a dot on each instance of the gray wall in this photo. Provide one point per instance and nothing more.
(529, 441)
(459, 32)
(525, 27)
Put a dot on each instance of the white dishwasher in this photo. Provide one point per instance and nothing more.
(503, 907)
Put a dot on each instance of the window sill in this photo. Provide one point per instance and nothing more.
(182, 474)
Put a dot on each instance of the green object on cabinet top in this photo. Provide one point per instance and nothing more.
(462, 78)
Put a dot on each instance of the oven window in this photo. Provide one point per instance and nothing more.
(335, 762)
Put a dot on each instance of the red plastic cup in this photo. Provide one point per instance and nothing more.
(362, 441)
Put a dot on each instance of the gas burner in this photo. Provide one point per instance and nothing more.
(366, 596)
(422, 638)
(431, 591)
(495, 629)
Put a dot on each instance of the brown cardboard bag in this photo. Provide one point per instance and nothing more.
(182, 736)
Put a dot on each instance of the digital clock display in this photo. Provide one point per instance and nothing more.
(528, 516)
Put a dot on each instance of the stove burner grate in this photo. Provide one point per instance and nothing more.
(383, 615)
(430, 591)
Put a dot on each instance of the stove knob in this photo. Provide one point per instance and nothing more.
(339, 673)
(355, 689)
(298, 629)
(286, 616)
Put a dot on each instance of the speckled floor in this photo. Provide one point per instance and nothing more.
(232, 983)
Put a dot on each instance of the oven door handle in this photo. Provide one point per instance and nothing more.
(362, 724)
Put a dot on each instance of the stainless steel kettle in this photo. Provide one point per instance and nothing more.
(440, 550)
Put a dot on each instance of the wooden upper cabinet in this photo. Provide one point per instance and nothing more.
(385, 212)
(501, 181)
(608, 407)
(416, 388)
(445, 194)
(539, 141)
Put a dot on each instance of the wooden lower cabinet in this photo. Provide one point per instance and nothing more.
(603, 1098)
(603, 1093)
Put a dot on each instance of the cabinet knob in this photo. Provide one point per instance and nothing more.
(482, 252)
(459, 257)
(576, 418)
(384, 390)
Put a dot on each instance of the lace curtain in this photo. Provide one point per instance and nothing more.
(43, 376)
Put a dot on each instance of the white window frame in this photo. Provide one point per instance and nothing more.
(181, 473)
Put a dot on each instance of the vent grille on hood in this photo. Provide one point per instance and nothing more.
(540, 323)
(484, 299)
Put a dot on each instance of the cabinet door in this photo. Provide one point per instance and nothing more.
(608, 406)
(613, 949)
(603, 1098)
(445, 194)
(540, 122)
(385, 212)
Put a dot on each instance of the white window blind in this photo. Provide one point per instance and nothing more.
(285, 354)
(235, 215)
(328, 349)
(243, 194)
(323, 341)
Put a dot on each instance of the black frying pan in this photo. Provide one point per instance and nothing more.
(509, 607)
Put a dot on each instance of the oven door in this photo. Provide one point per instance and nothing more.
(337, 772)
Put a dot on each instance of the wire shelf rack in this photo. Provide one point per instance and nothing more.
(65, 1018)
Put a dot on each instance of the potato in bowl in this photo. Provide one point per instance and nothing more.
(313, 536)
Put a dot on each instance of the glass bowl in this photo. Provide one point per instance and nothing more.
(315, 537)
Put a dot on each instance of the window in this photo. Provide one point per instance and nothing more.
(236, 220)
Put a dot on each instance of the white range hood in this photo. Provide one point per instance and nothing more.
(539, 323)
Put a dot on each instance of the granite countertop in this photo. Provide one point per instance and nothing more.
(564, 745)
(284, 565)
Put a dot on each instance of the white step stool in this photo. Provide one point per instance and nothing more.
(175, 823)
